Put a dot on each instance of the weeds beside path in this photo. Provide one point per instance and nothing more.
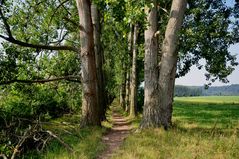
(116, 135)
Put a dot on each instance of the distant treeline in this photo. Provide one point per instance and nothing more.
(231, 90)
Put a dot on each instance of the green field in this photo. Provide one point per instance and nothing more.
(209, 99)
(212, 111)
(203, 127)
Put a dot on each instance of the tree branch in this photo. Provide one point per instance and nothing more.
(3, 156)
(74, 23)
(11, 39)
(53, 15)
(68, 78)
(68, 147)
(6, 25)
(36, 46)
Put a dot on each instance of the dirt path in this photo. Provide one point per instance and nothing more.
(114, 138)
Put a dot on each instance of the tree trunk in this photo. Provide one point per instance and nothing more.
(151, 107)
(133, 87)
(169, 61)
(130, 44)
(127, 91)
(90, 108)
(123, 86)
(95, 14)
(159, 96)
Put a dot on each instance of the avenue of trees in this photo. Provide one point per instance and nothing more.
(63, 56)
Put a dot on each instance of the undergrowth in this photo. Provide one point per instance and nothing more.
(85, 142)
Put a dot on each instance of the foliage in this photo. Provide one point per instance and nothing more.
(208, 31)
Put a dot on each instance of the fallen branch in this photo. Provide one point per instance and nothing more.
(68, 147)
(34, 133)
(3, 156)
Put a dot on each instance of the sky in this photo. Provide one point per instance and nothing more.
(196, 77)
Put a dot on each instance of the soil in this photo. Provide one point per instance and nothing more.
(115, 136)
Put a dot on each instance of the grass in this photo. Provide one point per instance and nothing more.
(86, 142)
(203, 127)
(207, 112)
(209, 99)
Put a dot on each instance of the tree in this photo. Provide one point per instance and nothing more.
(150, 111)
(185, 46)
(133, 89)
(90, 106)
(16, 35)
(159, 113)
(96, 19)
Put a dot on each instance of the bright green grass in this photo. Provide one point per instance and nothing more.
(209, 99)
(207, 112)
(203, 127)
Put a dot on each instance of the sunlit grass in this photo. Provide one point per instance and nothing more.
(176, 143)
(204, 129)
(201, 111)
(209, 99)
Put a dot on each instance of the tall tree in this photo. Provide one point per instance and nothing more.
(90, 106)
(151, 109)
(168, 62)
(96, 20)
(133, 85)
(159, 113)
(130, 45)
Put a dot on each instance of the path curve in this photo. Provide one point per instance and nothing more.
(114, 137)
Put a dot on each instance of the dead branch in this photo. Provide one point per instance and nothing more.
(68, 147)
(34, 133)
(3, 156)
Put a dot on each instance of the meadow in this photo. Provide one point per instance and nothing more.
(203, 127)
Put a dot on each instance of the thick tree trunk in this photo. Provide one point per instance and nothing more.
(169, 61)
(95, 14)
(90, 108)
(133, 85)
(151, 107)
(159, 96)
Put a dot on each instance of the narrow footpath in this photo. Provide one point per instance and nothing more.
(114, 138)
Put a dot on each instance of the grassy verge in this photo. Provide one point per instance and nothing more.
(201, 129)
(86, 142)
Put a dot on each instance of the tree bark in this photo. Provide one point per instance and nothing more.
(130, 44)
(133, 87)
(151, 107)
(127, 91)
(160, 77)
(169, 61)
(95, 14)
(123, 86)
(90, 108)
